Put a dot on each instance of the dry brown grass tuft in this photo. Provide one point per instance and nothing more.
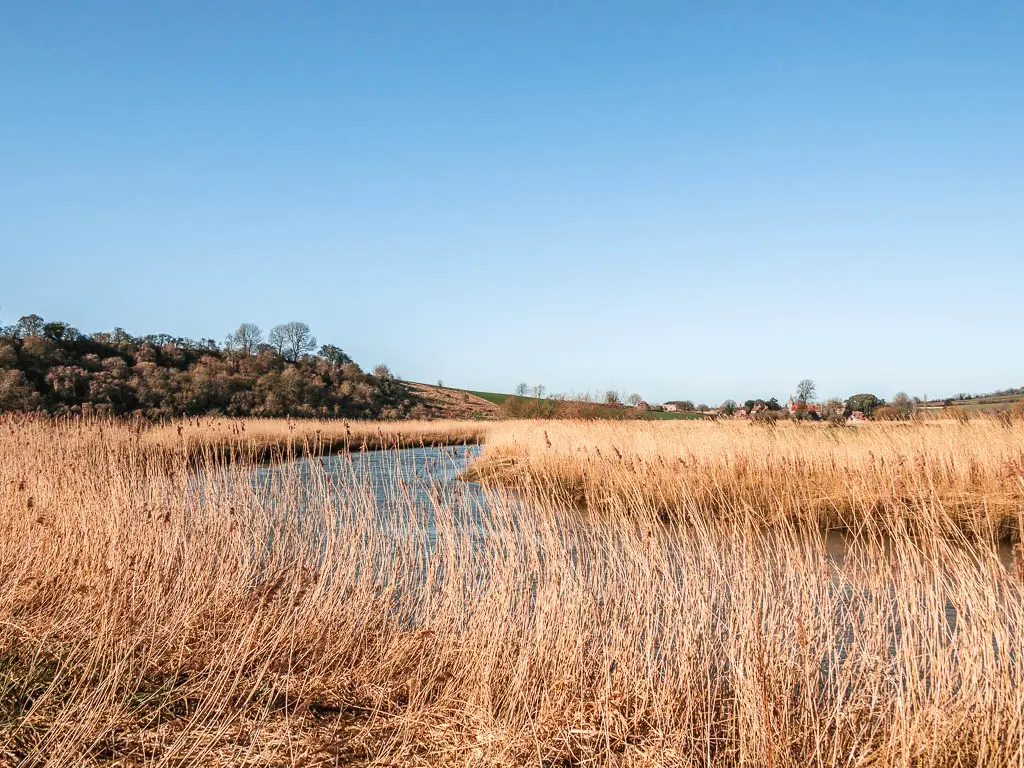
(167, 606)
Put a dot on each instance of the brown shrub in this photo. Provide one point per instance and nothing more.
(886, 413)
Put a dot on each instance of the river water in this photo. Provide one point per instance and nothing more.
(411, 487)
(408, 513)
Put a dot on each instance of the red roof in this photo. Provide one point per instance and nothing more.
(803, 407)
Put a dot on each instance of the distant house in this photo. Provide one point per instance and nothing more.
(679, 406)
(795, 407)
(643, 406)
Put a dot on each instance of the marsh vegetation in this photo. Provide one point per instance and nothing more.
(632, 594)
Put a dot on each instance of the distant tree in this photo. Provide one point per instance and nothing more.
(634, 399)
(539, 390)
(16, 394)
(381, 371)
(728, 407)
(611, 397)
(865, 402)
(903, 405)
(805, 392)
(29, 325)
(292, 340)
(702, 407)
(833, 409)
(767, 405)
(522, 388)
(440, 383)
(334, 355)
(246, 339)
(67, 381)
(60, 332)
(120, 337)
(161, 376)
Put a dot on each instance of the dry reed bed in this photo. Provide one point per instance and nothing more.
(154, 612)
(263, 439)
(968, 475)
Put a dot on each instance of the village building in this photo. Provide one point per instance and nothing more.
(794, 407)
(678, 406)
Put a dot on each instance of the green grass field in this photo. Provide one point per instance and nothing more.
(493, 397)
(990, 404)
(498, 399)
(669, 416)
(987, 405)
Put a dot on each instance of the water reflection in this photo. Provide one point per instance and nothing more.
(421, 471)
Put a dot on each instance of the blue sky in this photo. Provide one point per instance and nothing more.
(686, 200)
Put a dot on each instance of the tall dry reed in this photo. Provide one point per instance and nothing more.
(159, 609)
(967, 475)
(278, 438)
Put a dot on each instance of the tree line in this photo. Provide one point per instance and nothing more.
(53, 367)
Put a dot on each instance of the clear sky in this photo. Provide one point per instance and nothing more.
(687, 199)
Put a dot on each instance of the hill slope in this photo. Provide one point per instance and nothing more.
(445, 403)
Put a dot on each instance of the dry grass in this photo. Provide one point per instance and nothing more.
(158, 607)
(262, 439)
(965, 475)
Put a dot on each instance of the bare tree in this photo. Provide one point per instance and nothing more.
(634, 399)
(292, 340)
(522, 389)
(805, 391)
(539, 390)
(903, 405)
(246, 338)
(381, 371)
(612, 397)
